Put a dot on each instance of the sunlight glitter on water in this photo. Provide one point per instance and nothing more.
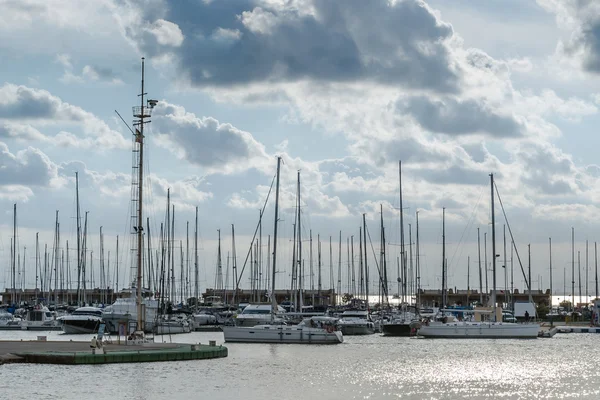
(369, 367)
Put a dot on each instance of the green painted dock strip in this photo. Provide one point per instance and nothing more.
(153, 352)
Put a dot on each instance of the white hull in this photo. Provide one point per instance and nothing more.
(172, 329)
(281, 334)
(484, 330)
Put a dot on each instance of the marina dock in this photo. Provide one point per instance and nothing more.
(59, 352)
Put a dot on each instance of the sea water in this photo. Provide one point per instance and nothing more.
(363, 367)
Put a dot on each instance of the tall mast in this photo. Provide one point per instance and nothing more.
(299, 268)
(506, 268)
(443, 258)
(117, 267)
(319, 282)
(78, 238)
(402, 256)
(196, 275)
(579, 273)
(273, 299)
(410, 262)
(234, 265)
(485, 268)
(140, 113)
(149, 242)
(418, 265)
(572, 268)
(352, 261)
(596, 265)
(493, 248)
(366, 264)
(339, 281)
(187, 259)
(550, 251)
(14, 254)
(586, 272)
(479, 262)
(37, 262)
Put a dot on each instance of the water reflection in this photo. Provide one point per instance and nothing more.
(369, 367)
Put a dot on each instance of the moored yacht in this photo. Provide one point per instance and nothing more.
(39, 318)
(172, 324)
(356, 322)
(404, 323)
(315, 330)
(259, 314)
(82, 320)
(124, 312)
(484, 330)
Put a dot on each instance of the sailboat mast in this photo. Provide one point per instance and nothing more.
(443, 258)
(572, 268)
(140, 140)
(493, 248)
(402, 256)
(273, 299)
(299, 258)
(37, 262)
(418, 265)
(78, 239)
(196, 276)
(366, 264)
(550, 251)
(479, 262)
(14, 254)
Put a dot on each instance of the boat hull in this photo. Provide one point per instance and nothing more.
(172, 329)
(398, 330)
(81, 326)
(356, 330)
(480, 330)
(280, 334)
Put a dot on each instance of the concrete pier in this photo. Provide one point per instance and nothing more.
(59, 352)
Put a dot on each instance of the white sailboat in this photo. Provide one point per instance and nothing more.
(315, 330)
(486, 329)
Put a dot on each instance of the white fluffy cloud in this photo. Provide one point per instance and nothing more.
(23, 108)
(217, 147)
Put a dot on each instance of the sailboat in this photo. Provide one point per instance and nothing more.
(406, 320)
(313, 330)
(137, 312)
(483, 329)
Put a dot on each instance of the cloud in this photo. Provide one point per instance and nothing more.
(582, 19)
(24, 105)
(29, 167)
(166, 33)
(460, 117)
(321, 41)
(218, 147)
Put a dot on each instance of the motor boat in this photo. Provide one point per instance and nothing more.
(314, 330)
(82, 320)
(124, 312)
(39, 318)
(259, 314)
(357, 322)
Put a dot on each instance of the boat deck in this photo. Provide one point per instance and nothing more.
(63, 352)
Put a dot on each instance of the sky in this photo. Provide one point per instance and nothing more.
(341, 91)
